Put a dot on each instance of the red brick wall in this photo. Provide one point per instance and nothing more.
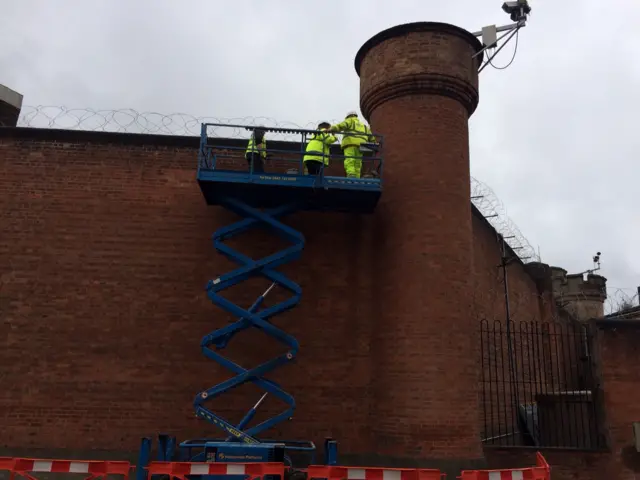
(528, 311)
(103, 306)
(527, 303)
(106, 251)
(108, 248)
(619, 351)
(548, 348)
(618, 347)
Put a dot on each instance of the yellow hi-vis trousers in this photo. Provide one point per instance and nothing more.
(353, 162)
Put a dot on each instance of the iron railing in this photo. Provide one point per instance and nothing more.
(539, 386)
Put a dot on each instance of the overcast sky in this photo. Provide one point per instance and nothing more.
(555, 135)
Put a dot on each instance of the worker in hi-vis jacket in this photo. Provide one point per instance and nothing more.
(257, 150)
(356, 133)
(318, 149)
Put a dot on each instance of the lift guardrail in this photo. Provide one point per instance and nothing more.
(217, 153)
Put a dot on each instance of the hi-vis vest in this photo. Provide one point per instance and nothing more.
(357, 132)
(318, 148)
(251, 148)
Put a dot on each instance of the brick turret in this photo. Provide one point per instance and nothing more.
(584, 299)
(418, 87)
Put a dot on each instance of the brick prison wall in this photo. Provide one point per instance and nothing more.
(527, 302)
(548, 346)
(106, 249)
(537, 361)
(617, 346)
(549, 349)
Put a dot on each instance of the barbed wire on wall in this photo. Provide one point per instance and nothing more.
(621, 299)
(491, 208)
(131, 121)
(127, 120)
(618, 299)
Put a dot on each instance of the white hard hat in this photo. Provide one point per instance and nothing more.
(351, 113)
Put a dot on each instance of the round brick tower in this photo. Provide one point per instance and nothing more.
(418, 88)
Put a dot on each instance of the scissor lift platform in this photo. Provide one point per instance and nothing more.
(228, 178)
(223, 173)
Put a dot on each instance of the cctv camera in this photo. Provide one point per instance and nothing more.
(518, 9)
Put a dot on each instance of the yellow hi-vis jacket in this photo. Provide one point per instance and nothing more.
(357, 132)
(252, 148)
(318, 148)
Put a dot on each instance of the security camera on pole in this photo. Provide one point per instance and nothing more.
(519, 12)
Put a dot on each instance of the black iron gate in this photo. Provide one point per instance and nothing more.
(539, 386)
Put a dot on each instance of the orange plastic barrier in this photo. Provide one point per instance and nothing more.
(371, 473)
(181, 469)
(540, 472)
(91, 468)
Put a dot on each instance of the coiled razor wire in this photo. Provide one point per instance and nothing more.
(621, 300)
(130, 121)
(491, 208)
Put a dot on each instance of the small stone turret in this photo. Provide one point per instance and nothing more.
(10, 106)
(584, 299)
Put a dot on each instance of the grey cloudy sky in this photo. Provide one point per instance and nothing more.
(555, 135)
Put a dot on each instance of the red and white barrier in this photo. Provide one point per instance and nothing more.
(540, 472)
(497, 475)
(94, 469)
(181, 469)
(371, 473)
(91, 468)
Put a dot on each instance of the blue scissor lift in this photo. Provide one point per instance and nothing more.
(262, 199)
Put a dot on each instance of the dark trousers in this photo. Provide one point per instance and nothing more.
(313, 167)
(258, 166)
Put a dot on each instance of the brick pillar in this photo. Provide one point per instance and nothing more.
(418, 87)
